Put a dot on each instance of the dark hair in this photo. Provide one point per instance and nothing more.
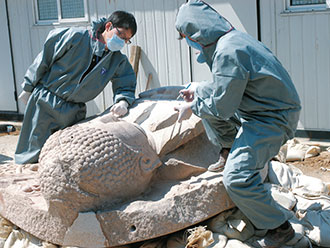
(123, 19)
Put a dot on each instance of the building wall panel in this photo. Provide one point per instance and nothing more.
(7, 92)
(301, 42)
(310, 82)
(322, 45)
(295, 52)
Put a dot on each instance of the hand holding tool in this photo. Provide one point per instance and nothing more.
(180, 94)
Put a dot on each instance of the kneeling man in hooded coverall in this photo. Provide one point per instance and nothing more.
(249, 109)
(74, 66)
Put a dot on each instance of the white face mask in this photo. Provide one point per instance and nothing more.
(115, 43)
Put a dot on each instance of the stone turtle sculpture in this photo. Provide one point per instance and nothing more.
(111, 181)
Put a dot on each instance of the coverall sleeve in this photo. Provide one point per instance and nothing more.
(57, 43)
(124, 83)
(222, 96)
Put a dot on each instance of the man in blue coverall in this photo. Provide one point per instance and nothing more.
(74, 66)
(249, 109)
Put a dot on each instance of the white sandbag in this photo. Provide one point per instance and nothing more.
(220, 241)
(282, 154)
(295, 155)
(314, 214)
(22, 239)
(282, 195)
(282, 174)
(215, 224)
(312, 151)
(310, 186)
(295, 150)
(291, 177)
(321, 203)
(298, 152)
(299, 231)
(234, 224)
(320, 222)
(234, 243)
(2, 242)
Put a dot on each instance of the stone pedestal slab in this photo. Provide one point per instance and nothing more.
(167, 207)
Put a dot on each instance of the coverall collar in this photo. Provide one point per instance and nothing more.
(98, 46)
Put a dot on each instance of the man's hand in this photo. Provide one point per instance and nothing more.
(24, 96)
(189, 92)
(184, 110)
(119, 108)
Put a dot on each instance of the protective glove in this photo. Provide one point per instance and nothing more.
(184, 110)
(189, 92)
(24, 97)
(119, 108)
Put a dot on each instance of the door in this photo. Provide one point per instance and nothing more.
(7, 92)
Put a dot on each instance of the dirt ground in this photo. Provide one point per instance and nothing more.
(318, 166)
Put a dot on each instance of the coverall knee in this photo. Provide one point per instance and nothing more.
(255, 144)
(221, 132)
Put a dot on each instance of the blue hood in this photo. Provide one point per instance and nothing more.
(201, 22)
(96, 25)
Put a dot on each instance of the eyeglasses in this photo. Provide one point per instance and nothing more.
(181, 36)
(127, 41)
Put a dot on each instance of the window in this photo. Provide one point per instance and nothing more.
(307, 5)
(306, 2)
(59, 11)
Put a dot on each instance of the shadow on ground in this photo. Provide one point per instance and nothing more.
(5, 159)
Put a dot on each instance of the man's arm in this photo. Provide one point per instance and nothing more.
(124, 83)
(222, 96)
(57, 43)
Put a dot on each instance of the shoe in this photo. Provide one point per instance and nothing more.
(276, 238)
(220, 164)
(7, 128)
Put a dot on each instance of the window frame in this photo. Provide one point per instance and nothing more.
(60, 20)
(307, 7)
